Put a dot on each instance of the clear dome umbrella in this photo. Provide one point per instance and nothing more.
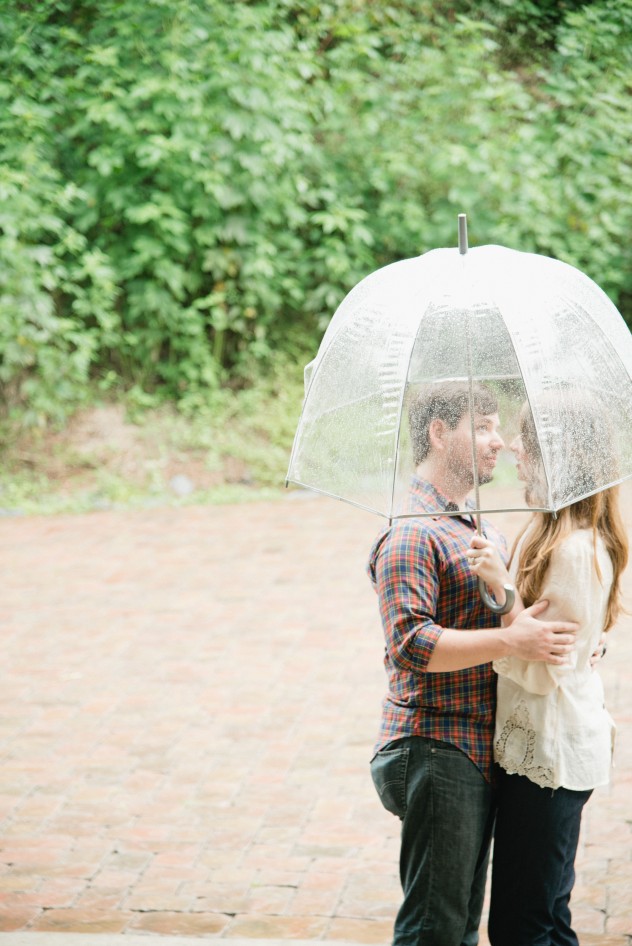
(536, 332)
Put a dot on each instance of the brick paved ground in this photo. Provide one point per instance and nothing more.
(188, 698)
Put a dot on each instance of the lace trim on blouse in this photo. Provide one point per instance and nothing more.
(515, 748)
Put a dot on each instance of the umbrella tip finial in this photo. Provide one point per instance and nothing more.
(462, 234)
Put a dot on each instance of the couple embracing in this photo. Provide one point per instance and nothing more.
(493, 726)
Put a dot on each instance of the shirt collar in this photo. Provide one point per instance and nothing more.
(427, 498)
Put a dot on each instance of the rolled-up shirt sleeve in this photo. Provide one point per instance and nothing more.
(407, 582)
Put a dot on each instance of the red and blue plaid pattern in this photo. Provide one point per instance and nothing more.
(424, 584)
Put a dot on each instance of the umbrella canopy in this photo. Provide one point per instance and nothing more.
(536, 332)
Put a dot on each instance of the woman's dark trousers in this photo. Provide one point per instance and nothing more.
(537, 831)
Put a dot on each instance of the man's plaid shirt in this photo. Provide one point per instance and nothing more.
(424, 585)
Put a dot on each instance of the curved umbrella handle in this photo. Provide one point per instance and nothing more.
(505, 608)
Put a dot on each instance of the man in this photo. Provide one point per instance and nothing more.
(433, 762)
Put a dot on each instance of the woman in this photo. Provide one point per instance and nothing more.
(553, 740)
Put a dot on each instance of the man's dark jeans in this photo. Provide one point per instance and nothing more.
(447, 813)
(537, 831)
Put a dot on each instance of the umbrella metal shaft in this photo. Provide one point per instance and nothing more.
(463, 247)
(509, 592)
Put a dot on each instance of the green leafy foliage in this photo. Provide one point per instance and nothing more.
(189, 187)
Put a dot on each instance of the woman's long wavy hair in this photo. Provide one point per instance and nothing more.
(599, 511)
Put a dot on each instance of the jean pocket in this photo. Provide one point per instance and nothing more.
(388, 771)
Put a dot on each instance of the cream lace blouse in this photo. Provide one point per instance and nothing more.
(551, 721)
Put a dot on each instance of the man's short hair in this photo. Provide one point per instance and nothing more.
(447, 401)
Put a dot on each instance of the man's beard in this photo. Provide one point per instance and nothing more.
(462, 476)
(467, 478)
(483, 477)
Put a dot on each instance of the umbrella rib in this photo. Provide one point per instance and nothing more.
(399, 427)
(300, 422)
(418, 514)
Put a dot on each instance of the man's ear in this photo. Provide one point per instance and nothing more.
(436, 433)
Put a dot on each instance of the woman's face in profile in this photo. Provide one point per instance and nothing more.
(518, 450)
